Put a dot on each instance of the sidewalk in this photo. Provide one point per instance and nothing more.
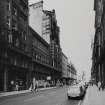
(94, 96)
(4, 94)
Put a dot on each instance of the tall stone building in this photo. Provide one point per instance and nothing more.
(41, 68)
(49, 31)
(98, 56)
(14, 52)
(24, 53)
(35, 16)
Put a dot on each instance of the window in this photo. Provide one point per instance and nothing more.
(17, 42)
(14, 25)
(10, 38)
(23, 35)
(14, 11)
(8, 21)
(15, 61)
(8, 5)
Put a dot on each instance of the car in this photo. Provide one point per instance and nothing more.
(76, 91)
(86, 85)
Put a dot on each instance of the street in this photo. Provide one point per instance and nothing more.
(55, 96)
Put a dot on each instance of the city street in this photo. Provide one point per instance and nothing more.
(55, 96)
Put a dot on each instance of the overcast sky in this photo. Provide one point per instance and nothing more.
(76, 21)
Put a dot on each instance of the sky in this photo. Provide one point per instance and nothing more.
(76, 21)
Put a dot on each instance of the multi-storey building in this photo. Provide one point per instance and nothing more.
(40, 56)
(48, 30)
(69, 73)
(14, 52)
(23, 53)
(35, 16)
(64, 68)
(51, 31)
(46, 25)
(51, 34)
(72, 73)
(98, 57)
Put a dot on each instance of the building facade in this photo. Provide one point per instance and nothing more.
(98, 56)
(40, 56)
(24, 54)
(72, 73)
(64, 66)
(15, 60)
(69, 73)
(35, 16)
(50, 32)
(46, 25)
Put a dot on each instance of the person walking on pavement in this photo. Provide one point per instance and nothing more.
(99, 85)
(36, 86)
(33, 85)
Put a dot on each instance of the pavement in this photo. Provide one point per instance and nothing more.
(94, 96)
(4, 94)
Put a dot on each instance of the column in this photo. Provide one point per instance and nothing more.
(99, 78)
(102, 74)
(5, 79)
(28, 79)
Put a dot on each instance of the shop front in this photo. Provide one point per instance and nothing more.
(17, 79)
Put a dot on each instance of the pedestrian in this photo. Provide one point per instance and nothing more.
(17, 86)
(36, 86)
(99, 85)
(33, 84)
(30, 88)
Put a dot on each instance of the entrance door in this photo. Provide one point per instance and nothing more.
(1, 81)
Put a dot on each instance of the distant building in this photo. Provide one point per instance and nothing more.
(69, 73)
(64, 66)
(72, 73)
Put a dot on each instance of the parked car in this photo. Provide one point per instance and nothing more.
(77, 90)
(86, 85)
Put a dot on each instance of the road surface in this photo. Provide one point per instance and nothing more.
(56, 96)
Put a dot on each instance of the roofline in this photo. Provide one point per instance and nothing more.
(36, 3)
